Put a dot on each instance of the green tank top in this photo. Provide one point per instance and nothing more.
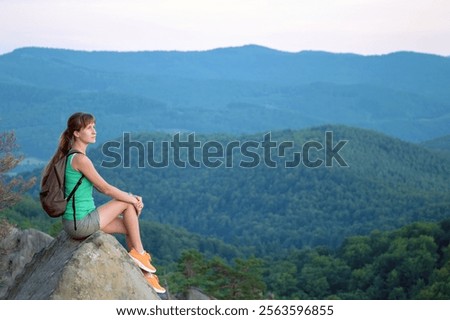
(84, 200)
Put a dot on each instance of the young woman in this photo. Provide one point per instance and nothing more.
(120, 215)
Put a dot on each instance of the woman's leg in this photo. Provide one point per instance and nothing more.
(110, 222)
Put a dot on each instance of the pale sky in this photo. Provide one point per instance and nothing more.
(357, 26)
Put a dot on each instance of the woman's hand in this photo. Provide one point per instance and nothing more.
(139, 205)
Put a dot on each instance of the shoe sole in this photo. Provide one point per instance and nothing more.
(158, 290)
(142, 266)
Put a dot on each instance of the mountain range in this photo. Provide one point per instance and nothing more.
(230, 90)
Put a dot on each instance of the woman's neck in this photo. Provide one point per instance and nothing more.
(79, 146)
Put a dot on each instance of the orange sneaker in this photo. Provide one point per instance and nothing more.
(142, 260)
(153, 281)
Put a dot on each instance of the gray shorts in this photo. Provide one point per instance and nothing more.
(85, 227)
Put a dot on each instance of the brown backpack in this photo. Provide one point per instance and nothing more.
(52, 194)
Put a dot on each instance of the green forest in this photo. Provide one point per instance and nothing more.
(388, 183)
(375, 229)
(412, 262)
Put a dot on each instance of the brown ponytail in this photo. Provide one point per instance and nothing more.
(76, 122)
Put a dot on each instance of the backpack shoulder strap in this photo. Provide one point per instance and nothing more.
(75, 188)
(73, 151)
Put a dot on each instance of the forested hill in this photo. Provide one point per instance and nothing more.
(440, 143)
(232, 90)
(388, 183)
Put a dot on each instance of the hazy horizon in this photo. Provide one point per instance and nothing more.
(349, 26)
(218, 48)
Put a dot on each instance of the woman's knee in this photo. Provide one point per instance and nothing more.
(111, 210)
(130, 208)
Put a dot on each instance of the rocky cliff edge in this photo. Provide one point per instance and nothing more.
(98, 268)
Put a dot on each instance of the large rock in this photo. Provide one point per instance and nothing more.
(197, 294)
(17, 248)
(96, 268)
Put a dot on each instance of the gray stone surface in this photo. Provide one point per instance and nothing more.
(197, 294)
(17, 248)
(97, 268)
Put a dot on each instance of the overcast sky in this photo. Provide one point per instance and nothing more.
(358, 26)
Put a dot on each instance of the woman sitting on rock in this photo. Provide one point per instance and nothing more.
(120, 215)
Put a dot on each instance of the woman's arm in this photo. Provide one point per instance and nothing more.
(83, 164)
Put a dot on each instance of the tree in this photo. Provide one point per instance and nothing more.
(282, 278)
(10, 188)
(247, 279)
(324, 275)
(191, 269)
(357, 252)
(440, 285)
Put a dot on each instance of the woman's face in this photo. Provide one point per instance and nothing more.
(87, 134)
